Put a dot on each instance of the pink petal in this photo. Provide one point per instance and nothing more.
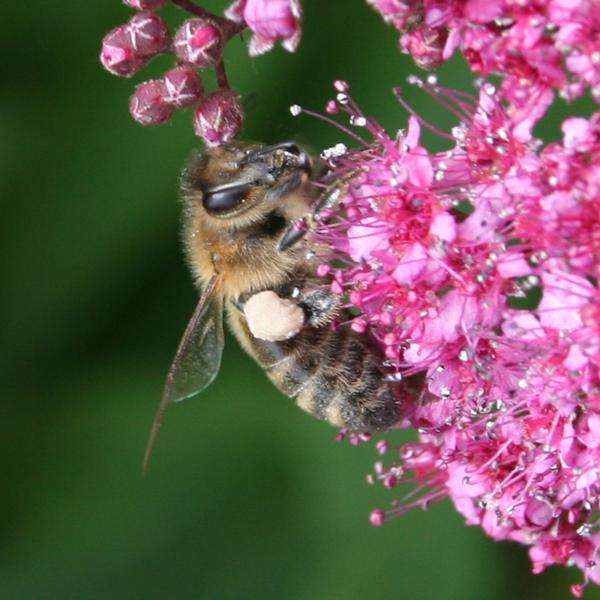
(414, 132)
(420, 171)
(369, 235)
(578, 134)
(513, 264)
(443, 226)
(483, 11)
(411, 264)
(575, 359)
(457, 315)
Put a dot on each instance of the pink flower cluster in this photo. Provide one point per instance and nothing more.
(477, 269)
(197, 44)
(543, 44)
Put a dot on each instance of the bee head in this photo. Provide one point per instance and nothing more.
(249, 180)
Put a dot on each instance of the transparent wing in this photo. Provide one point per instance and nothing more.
(196, 361)
(198, 358)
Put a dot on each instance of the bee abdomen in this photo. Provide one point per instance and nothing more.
(335, 376)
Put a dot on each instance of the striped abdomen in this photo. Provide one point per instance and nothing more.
(333, 375)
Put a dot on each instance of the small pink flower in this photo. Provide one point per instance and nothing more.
(377, 518)
(579, 134)
(272, 20)
(397, 12)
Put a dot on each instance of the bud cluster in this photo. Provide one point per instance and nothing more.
(197, 44)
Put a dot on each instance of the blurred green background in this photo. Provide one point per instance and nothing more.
(247, 497)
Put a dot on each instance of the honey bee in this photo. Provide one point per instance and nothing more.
(244, 207)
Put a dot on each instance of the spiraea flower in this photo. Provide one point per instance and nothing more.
(547, 44)
(476, 270)
(269, 21)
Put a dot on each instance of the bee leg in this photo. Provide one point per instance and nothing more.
(239, 303)
(293, 234)
(320, 307)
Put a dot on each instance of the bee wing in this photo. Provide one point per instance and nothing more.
(196, 361)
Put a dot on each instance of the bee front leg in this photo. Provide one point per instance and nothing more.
(294, 233)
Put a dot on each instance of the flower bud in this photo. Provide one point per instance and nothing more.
(377, 517)
(183, 87)
(199, 42)
(149, 34)
(426, 45)
(148, 105)
(219, 118)
(118, 54)
(144, 4)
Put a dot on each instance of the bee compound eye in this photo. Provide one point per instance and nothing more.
(225, 199)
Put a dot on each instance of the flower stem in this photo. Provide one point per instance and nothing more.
(222, 75)
(229, 28)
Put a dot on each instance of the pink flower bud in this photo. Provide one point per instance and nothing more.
(118, 54)
(148, 106)
(341, 86)
(332, 108)
(426, 46)
(149, 34)
(377, 517)
(219, 118)
(577, 589)
(390, 481)
(382, 446)
(144, 4)
(271, 20)
(183, 87)
(199, 42)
